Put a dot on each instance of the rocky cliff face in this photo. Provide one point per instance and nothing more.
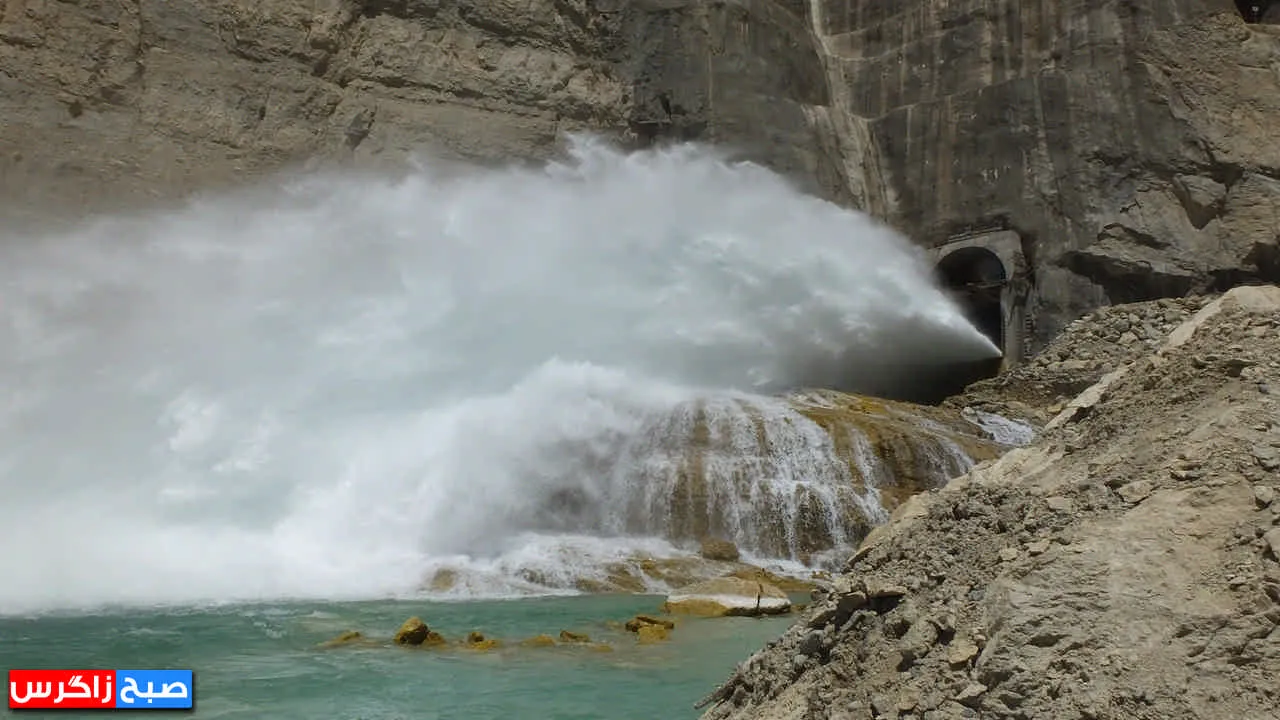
(106, 101)
(1130, 144)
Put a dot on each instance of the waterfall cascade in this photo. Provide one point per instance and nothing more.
(336, 386)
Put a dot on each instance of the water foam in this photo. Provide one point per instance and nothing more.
(321, 387)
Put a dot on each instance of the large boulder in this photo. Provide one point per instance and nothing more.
(412, 632)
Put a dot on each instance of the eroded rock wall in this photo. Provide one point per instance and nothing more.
(1131, 144)
(106, 101)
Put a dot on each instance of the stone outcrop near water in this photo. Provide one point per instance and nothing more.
(1125, 565)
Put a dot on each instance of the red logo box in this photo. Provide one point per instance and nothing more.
(62, 689)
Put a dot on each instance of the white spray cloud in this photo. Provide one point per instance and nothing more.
(316, 388)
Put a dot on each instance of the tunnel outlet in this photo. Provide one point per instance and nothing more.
(976, 279)
(1259, 11)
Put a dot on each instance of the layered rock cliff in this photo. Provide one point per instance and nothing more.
(107, 101)
(1129, 145)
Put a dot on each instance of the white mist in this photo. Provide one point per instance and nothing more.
(319, 389)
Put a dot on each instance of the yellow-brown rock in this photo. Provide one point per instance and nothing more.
(444, 580)
(782, 582)
(573, 637)
(897, 437)
(347, 638)
(728, 596)
(477, 641)
(652, 633)
(538, 641)
(713, 549)
(412, 632)
(640, 621)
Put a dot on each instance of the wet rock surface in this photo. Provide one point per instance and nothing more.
(1123, 566)
(728, 596)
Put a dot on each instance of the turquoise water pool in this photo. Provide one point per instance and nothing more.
(263, 661)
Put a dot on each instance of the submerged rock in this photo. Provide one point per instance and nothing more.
(573, 637)
(728, 596)
(539, 641)
(638, 622)
(652, 633)
(350, 637)
(477, 641)
(412, 632)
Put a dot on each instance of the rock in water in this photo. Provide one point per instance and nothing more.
(652, 634)
(539, 641)
(412, 632)
(347, 638)
(728, 596)
(477, 641)
(640, 621)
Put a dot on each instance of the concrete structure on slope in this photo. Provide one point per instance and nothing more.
(986, 270)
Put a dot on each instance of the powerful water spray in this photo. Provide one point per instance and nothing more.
(321, 387)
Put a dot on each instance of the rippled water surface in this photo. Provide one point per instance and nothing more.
(263, 662)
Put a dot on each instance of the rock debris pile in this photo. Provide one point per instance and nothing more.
(1126, 565)
(1092, 346)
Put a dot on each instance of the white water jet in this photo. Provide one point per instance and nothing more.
(321, 387)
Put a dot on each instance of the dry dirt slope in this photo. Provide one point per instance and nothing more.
(1125, 566)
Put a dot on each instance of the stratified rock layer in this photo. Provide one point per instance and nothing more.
(112, 101)
(1125, 566)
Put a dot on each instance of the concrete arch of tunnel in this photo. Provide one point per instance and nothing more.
(987, 274)
(976, 277)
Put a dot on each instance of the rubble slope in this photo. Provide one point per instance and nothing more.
(1127, 565)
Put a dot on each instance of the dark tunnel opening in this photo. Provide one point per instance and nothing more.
(1259, 11)
(975, 278)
